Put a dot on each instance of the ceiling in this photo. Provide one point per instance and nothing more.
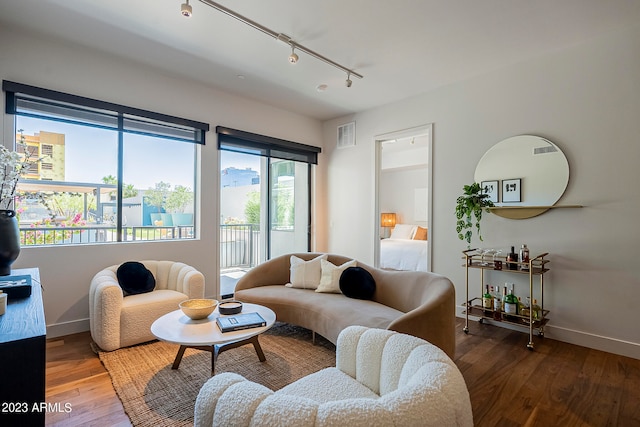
(401, 47)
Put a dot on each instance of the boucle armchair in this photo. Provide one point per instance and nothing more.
(381, 378)
(117, 321)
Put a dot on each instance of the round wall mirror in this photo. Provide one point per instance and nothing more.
(524, 175)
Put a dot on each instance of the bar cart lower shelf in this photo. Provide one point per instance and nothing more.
(475, 309)
(535, 267)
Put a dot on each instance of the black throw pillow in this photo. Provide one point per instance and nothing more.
(134, 278)
(356, 282)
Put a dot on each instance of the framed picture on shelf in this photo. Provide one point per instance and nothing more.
(511, 190)
(490, 188)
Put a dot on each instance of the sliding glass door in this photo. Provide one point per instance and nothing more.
(265, 202)
(242, 198)
(289, 212)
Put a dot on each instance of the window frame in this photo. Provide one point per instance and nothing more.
(272, 148)
(31, 101)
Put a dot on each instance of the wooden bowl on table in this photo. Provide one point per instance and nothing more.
(197, 309)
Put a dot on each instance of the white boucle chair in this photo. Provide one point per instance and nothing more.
(117, 321)
(381, 378)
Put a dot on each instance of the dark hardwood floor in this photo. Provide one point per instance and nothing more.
(557, 384)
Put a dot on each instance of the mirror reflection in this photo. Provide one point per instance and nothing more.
(403, 206)
(524, 170)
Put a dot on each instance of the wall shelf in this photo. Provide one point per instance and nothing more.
(522, 212)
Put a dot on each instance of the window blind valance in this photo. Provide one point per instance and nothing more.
(37, 102)
(251, 143)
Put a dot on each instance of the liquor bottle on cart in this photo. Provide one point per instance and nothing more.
(497, 305)
(511, 305)
(524, 258)
(512, 259)
(487, 301)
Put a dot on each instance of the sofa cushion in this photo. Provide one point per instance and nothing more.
(325, 313)
(356, 282)
(139, 311)
(305, 274)
(330, 281)
(134, 278)
(327, 385)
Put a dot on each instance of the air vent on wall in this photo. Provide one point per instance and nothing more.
(347, 135)
(542, 150)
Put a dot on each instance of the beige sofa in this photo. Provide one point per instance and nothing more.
(412, 302)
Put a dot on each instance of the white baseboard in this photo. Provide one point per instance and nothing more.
(67, 328)
(584, 339)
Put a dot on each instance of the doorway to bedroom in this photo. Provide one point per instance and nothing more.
(403, 199)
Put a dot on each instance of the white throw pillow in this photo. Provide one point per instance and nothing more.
(330, 280)
(403, 231)
(305, 274)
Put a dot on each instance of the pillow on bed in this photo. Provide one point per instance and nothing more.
(356, 282)
(421, 234)
(305, 274)
(330, 281)
(402, 231)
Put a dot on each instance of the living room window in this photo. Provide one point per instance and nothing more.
(107, 172)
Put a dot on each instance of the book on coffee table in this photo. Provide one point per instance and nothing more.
(240, 321)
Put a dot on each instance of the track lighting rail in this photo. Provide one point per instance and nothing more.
(280, 37)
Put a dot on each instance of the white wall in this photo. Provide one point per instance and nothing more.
(67, 271)
(398, 193)
(585, 99)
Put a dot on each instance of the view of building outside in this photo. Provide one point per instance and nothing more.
(249, 201)
(74, 184)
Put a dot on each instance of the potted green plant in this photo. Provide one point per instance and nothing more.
(177, 201)
(469, 207)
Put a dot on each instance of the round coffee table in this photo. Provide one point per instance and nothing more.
(204, 334)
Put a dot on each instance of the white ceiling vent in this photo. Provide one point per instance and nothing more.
(347, 135)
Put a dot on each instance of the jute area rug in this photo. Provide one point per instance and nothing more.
(155, 395)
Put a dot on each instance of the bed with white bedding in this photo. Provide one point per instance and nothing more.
(406, 249)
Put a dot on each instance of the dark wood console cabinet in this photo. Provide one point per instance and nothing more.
(22, 357)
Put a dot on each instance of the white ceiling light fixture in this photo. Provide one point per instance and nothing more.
(186, 9)
(293, 58)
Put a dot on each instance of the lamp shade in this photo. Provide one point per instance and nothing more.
(388, 219)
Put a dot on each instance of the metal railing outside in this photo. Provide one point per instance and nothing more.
(45, 236)
(239, 245)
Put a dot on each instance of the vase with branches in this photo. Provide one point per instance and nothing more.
(13, 166)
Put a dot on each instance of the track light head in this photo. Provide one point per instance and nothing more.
(186, 9)
(348, 82)
(293, 58)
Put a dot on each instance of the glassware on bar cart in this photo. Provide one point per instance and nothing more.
(483, 252)
(497, 264)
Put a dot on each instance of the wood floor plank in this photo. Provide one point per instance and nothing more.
(556, 384)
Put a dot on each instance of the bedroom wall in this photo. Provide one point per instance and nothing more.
(397, 193)
(67, 271)
(586, 99)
